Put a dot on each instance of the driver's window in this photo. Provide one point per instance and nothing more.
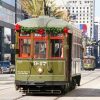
(40, 49)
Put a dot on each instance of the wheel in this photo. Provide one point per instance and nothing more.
(72, 84)
(64, 89)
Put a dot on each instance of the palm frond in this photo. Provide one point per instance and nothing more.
(36, 8)
(32, 7)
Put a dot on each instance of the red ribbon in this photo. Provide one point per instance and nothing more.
(17, 27)
(40, 31)
(65, 30)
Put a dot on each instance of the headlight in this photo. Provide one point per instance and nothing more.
(40, 70)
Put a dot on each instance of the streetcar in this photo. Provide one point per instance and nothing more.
(89, 59)
(47, 55)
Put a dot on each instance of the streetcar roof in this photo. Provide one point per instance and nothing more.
(46, 21)
(89, 57)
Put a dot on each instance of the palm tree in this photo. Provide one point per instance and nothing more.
(32, 7)
(38, 7)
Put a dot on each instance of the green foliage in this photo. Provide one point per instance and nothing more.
(47, 29)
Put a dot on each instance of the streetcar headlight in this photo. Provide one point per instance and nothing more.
(40, 70)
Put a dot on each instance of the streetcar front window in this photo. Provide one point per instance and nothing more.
(25, 45)
(40, 49)
(88, 61)
(56, 48)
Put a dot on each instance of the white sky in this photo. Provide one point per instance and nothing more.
(97, 8)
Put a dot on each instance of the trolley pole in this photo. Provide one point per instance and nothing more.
(45, 12)
(46, 9)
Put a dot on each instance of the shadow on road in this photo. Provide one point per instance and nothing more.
(79, 92)
(84, 92)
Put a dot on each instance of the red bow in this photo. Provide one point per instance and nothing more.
(65, 30)
(17, 27)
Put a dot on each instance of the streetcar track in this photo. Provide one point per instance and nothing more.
(90, 80)
(19, 97)
(88, 74)
(57, 97)
(81, 84)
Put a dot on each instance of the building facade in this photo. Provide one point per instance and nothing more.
(8, 17)
(97, 38)
(97, 28)
(82, 13)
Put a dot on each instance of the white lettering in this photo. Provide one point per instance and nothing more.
(39, 63)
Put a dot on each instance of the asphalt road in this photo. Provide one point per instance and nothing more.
(89, 89)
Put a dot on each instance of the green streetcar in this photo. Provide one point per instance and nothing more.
(89, 62)
(89, 58)
(47, 55)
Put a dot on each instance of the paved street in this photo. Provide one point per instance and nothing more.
(89, 89)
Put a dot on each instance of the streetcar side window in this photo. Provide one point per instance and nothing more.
(40, 49)
(56, 48)
(25, 47)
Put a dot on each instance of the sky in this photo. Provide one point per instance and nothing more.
(97, 6)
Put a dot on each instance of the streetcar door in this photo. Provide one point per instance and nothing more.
(69, 54)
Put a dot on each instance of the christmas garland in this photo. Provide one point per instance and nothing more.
(41, 30)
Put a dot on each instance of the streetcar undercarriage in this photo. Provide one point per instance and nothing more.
(48, 87)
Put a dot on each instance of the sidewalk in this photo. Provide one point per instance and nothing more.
(6, 82)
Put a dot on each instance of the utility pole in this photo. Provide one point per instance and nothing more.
(13, 36)
(15, 11)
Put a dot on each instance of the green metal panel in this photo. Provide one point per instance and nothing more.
(27, 69)
(87, 66)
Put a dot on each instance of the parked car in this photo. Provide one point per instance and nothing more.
(5, 66)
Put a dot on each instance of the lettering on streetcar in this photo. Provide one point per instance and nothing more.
(38, 63)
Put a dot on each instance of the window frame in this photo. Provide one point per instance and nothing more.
(43, 39)
(57, 38)
(19, 55)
